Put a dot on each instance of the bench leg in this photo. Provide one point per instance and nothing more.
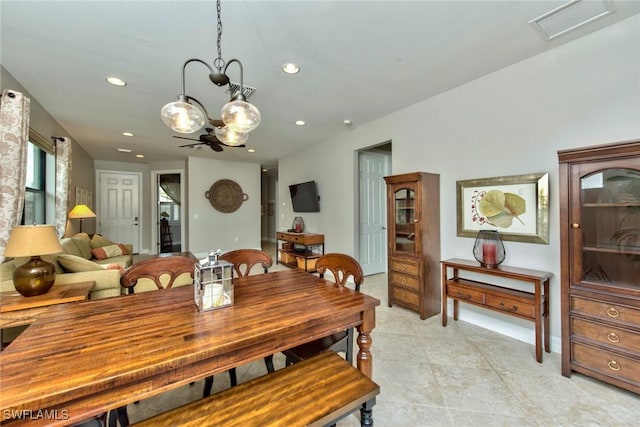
(366, 413)
(208, 382)
(269, 362)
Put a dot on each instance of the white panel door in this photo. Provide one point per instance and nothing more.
(118, 210)
(372, 212)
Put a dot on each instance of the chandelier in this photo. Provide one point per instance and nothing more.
(237, 117)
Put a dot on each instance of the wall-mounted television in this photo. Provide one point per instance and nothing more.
(304, 197)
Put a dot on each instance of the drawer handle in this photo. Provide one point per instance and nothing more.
(404, 295)
(404, 280)
(460, 296)
(613, 365)
(612, 312)
(513, 307)
(613, 337)
(404, 267)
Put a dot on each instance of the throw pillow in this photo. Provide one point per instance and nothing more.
(76, 264)
(83, 246)
(97, 241)
(109, 251)
(69, 246)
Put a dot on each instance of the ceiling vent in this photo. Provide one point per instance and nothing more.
(235, 88)
(571, 16)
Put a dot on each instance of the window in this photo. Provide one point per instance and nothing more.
(35, 196)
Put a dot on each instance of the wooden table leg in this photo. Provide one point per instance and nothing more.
(364, 359)
(547, 346)
(538, 322)
(444, 295)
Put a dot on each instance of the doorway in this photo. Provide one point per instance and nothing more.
(373, 165)
(169, 216)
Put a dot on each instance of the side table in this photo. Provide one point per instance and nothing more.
(17, 310)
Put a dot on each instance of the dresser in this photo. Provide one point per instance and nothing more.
(413, 228)
(600, 260)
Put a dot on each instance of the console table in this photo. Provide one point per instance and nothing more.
(533, 306)
(299, 245)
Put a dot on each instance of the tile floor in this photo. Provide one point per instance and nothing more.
(461, 375)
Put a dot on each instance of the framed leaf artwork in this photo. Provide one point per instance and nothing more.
(516, 206)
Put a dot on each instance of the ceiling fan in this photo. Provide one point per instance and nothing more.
(207, 139)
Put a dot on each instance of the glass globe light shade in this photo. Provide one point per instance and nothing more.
(183, 117)
(231, 137)
(240, 116)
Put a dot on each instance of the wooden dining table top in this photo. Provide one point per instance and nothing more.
(82, 359)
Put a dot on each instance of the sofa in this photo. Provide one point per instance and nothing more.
(84, 258)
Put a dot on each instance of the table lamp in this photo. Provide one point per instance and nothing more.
(36, 276)
(80, 212)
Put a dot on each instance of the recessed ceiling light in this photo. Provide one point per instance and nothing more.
(290, 68)
(127, 133)
(301, 122)
(116, 81)
(251, 150)
(347, 122)
(124, 150)
(140, 156)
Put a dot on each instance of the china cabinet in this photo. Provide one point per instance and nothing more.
(600, 253)
(413, 227)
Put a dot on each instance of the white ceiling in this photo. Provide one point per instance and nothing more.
(360, 60)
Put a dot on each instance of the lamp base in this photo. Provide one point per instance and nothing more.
(35, 277)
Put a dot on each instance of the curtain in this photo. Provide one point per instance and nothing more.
(63, 172)
(14, 135)
(171, 185)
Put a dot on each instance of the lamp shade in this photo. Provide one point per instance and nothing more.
(81, 211)
(32, 240)
(231, 137)
(240, 116)
(183, 117)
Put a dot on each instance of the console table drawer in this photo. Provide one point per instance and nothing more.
(611, 336)
(605, 310)
(606, 362)
(404, 280)
(465, 294)
(404, 267)
(405, 296)
(511, 306)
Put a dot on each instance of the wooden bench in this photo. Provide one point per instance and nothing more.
(318, 391)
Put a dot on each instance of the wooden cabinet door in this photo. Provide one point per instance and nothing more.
(404, 222)
(604, 225)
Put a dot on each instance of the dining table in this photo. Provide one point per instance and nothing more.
(80, 360)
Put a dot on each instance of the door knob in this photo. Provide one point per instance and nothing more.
(575, 225)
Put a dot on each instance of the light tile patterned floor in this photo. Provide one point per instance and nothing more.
(461, 375)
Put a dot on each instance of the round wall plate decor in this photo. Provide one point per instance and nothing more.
(226, 196)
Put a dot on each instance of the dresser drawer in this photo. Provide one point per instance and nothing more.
(404, 296)
(605, 310)
(464, 294)
(404, 267)
(611, 336)
(606, 362)
(405, 280)
(511, 306)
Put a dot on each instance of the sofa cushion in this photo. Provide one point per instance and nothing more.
(69, 246)
(83, 245)
(97, 241)
(109, 251)
(77, 264)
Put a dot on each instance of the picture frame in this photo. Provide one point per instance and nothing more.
(516, 206)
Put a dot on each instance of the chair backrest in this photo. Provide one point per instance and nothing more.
(341, 267)
(243, 260)
(162, 271)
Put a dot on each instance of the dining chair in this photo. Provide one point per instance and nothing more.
(341, 267)
(243, 261)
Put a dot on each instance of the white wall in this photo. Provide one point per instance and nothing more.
(511, 122)
(210, 229)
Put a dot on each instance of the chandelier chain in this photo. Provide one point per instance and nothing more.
(219, 62)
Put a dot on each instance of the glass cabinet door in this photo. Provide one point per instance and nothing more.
(405, 220)
(610, 227)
